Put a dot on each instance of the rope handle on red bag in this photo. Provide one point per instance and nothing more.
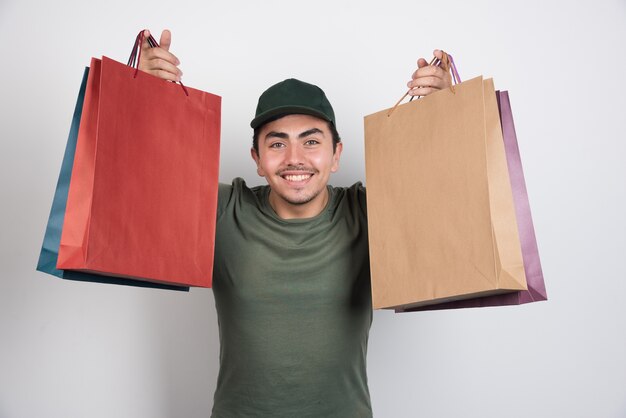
(135, 55)
(447, 64)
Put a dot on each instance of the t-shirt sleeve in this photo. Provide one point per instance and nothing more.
(224, 197)
(358, 191)
(229, 195)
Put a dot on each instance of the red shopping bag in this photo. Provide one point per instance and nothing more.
(143, 194)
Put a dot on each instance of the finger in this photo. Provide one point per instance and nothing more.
(165, 75)
(145, 45)
(444, 77)
(431, 75)
(438, 53)
(421, 64)
(422, 91)
(161, 53)
(432, 82)
(428, 70)
(158, 64)
(166, 40)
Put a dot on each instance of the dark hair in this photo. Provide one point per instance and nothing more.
(257, 131)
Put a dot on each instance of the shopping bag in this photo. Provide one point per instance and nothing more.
(143, 194)
(50, 248)
(530, 250)
(530, 253)
(441, 217)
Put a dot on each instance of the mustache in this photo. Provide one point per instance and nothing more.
(292, 168)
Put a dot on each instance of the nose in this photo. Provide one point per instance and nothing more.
(295, 155)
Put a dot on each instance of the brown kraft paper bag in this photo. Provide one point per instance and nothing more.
(441, 216)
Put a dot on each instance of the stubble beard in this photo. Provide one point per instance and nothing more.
(300, 199)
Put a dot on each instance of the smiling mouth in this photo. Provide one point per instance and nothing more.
(296, 174)
(296, 178)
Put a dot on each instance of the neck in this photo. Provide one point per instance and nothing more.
(286, 210)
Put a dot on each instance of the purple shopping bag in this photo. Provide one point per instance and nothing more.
(530, 253)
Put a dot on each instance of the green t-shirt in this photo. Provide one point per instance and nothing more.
(294, 308)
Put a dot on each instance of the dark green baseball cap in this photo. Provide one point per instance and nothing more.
(292, 96)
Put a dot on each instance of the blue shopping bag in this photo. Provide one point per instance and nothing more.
(50, 249)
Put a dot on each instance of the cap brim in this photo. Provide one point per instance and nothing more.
(286, 110)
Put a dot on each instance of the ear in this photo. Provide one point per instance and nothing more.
(336, 157)
(257, 161)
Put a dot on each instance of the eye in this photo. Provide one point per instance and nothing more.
(277, 145)
(311, 142)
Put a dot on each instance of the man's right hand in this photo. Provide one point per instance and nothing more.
(159, 61)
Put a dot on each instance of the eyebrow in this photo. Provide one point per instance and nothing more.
(310, 132)
(283, 135)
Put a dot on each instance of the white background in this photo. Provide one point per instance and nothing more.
(71, 349)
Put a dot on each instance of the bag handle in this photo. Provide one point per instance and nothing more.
(135, 55)
(447, 64)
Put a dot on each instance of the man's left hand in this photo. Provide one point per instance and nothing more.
(428, 79)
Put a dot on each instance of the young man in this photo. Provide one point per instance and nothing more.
(291, 276)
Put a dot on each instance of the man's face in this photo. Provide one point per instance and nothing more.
(296, 158)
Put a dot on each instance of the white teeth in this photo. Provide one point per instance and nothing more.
(299, 177)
